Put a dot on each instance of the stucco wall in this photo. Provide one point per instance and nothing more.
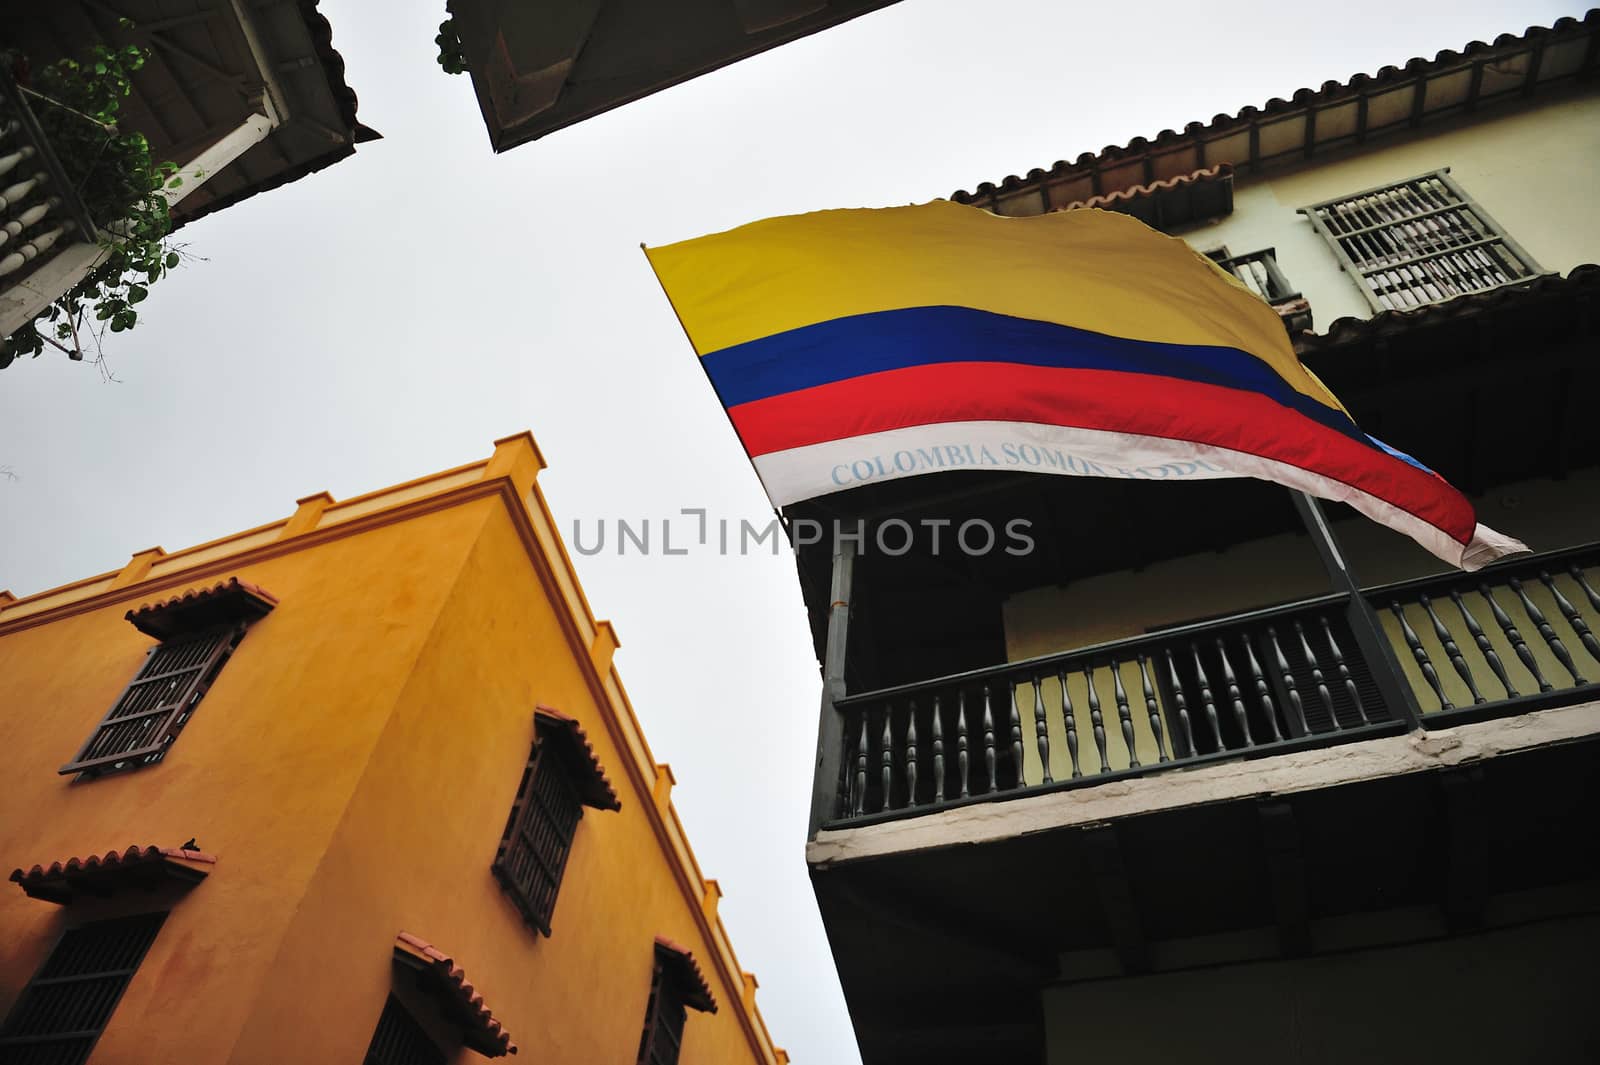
(259, 777)
(1531, 168)
(414, 849)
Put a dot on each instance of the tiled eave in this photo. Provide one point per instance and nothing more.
(680, 964)
(1164, 205)
(439, 975)
(1552, 295)
(226, 601)
(1313, 120)
(102, 875)
(566, 735)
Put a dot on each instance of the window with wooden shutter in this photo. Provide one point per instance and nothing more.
(156, 704)
(561, 778)
(663, 1021)
(1418, 241)
(62, 1012)
(676, 986)
(400, 1040)
(198, 631)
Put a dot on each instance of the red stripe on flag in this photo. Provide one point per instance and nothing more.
(1106, 400)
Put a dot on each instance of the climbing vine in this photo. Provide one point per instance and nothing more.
(452, 57)
(77, 102)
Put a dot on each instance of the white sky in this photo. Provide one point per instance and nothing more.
(392, 315)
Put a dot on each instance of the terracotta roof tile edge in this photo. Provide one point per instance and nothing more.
(190, 595)
(581, 738)
(111, 859)
(1214, 172)
(464, 993)
(1168, 138)
(687, 959)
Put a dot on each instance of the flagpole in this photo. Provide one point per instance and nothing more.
(1371, 640)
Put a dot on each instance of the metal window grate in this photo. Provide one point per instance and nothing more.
(62, 1012)
(538, 836)
(1419, 241)
(158, 702)
(400, 1040)
(663, 1021)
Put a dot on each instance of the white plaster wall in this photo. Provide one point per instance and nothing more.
(1533, 168)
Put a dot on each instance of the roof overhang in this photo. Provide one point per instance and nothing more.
(446, 982)
(226, 602)
(539, 67)
(210, 64)
(99, 876)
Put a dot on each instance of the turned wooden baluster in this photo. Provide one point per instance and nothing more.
(1548, 631)
(1504, 621)
(1263, 692)
(1095, 719)
(1184, 731)
(1583, 582)
(1420, 653)
(1344, 672)
(1124, 715)
(911, 755)
(1317, 679)
(1071, 720)
(1235, 697)
(962, 760)
(988, 737)
(1041, 730)
(1153, 709)
(1206, 702)
(1485, 648)
(1451, 651)
(1016, 735)
(1574, 618)
(1296, 709)
(938, 752)
(888, 756)
(861, 768)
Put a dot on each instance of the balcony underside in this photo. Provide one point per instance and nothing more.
(944, 951)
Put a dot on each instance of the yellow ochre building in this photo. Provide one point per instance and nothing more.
(361, 785)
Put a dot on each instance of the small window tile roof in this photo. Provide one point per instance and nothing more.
(226, 601)
(440, 976)
(104, 874)
(680, 963)
(569, 738)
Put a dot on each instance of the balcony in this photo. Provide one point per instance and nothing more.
(1309, 674)
(41, 215)
(1259, 272)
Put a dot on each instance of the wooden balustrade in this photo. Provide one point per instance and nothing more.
(1243, 686)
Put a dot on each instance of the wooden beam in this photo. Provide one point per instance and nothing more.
(1280, 840)
(1121, 913)
(1466, 849)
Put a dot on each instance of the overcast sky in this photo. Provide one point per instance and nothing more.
(391, 316)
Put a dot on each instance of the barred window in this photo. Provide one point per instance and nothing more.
(663, 1021)
(538, 837)
(400, 1040)
(676, 986)
(1418, 241)
(157, 703)
(62, 1012)
(561, 778)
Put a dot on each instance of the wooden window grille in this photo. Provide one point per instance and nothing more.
(1419, 241)
(62, 1012)
(158, 702)
(538, 835)
(400, 1040)
(663, 1019)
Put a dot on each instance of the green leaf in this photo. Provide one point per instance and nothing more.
(137, 293)
(172, 259)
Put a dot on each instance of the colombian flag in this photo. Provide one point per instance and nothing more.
(855, 346)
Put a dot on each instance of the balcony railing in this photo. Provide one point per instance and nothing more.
(1515, 638)
(1260, 274)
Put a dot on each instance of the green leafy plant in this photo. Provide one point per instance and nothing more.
(452, 57)
(77, 102)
